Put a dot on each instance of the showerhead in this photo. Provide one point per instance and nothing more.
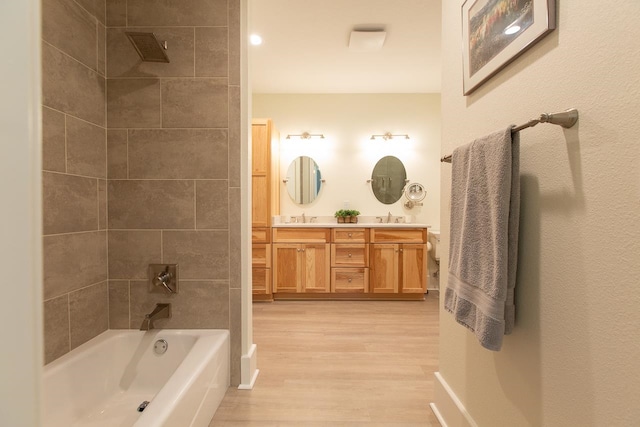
(148, 46)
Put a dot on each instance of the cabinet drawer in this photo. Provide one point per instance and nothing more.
(301, 235)
(350, 255)
(349, 235)
(261, 255)
(260, 235)
(352, 280)
(394, 235)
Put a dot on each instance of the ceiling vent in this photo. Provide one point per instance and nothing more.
(367, 40)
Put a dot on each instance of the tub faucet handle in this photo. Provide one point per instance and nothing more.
(163, 278)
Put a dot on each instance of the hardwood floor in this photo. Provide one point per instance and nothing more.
(340, 363)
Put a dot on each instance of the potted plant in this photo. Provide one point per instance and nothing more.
(347, 215)
(353, 215)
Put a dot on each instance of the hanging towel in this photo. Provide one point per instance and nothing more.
(483, 247)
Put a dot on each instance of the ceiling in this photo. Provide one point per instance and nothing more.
(305, 46)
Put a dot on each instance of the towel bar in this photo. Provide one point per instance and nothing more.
(566, 119)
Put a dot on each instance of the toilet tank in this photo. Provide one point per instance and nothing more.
(434, 239)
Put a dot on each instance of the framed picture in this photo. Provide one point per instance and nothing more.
(495, 32)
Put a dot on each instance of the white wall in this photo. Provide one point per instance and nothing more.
(573, 357)
(347, 156)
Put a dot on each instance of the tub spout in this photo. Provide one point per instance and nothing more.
(162, 311)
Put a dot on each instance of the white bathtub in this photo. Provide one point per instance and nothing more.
(102, 382)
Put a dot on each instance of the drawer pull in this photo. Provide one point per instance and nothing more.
(349, 255)
(350, 280)
(350, 234)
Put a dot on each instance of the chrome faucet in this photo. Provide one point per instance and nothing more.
(389, 218)
(303, 218)
(162, 311)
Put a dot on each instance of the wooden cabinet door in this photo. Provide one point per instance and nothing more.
(414, 268)
(259, 201)
(315, 261)
(384, 268)
(286, 267)
(261, 281)
(260, 148)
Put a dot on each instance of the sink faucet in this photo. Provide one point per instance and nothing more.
(303, 218)
(389, 218)
(162, 311)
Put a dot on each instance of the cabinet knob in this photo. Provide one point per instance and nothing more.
(349, 234)
(349, 255)
(298, 249)
(350, 280)
(400, 250)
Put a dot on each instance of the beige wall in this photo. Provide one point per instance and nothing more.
(347, 155)
(164, 179)
(572, 359)
(74, 176)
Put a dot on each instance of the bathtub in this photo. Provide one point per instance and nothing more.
(104, 381)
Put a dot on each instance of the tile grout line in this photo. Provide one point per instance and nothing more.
(69, 316)
(65, 145)
(77, 175)
(195, 205)
(194, 52)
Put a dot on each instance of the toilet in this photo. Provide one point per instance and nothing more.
(433, 263)
(433, 244)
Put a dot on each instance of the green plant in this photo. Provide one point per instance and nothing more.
(342, 213)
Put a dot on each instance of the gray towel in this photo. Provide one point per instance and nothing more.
(483, 248)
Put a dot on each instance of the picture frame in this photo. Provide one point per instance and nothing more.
(495, 32)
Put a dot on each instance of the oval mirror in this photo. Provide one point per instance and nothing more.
(388, 179)
(303, 180)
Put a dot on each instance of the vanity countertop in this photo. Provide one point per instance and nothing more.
(351, 225)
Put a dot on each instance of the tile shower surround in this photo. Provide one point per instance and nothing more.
(141, 165)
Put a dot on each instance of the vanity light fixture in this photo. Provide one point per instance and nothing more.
(387, 136)
(307, 135)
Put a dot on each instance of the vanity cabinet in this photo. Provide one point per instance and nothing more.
(349, 263)
(265, 200)
(301, 261)
(398, 262)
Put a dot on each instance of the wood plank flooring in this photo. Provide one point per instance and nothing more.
(340, 363)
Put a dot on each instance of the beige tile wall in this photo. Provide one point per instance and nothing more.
(74, 174)
(173, 164)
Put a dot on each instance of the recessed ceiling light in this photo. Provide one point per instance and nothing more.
(255, 39)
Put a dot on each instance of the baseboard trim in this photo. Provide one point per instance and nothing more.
(447, 407)
(435, 411)
(248, 369)
(252, 383)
